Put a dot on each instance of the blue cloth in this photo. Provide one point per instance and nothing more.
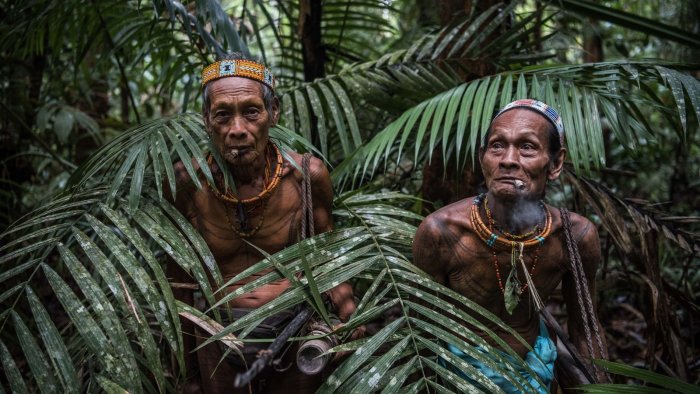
(540, 359)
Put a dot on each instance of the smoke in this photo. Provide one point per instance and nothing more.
(524, 215)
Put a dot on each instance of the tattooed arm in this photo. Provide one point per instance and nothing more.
(427, 249)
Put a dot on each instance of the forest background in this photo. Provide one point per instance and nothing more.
(99, 98)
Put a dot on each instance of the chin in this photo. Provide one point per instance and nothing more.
(512, 194)
(506, 195)
(503, 191)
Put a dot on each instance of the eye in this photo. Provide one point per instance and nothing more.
(221, 115)
(252, 112)
(528, 149)
(496, 145)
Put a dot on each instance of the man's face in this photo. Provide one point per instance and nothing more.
(237, 120)
(516, 160)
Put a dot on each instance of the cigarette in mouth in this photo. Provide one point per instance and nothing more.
(520, 185)
(234, 153)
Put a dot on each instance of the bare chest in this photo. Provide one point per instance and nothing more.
(234, 237)
(482, 273)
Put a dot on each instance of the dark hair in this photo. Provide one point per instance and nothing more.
(268, 95)
(553, 140)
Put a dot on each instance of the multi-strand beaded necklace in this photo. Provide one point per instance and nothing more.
(516, 243)
(255, 205)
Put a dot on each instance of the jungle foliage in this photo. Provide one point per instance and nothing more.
(99, 99)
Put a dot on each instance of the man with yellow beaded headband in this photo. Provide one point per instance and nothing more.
(265, 210)
(508, 251)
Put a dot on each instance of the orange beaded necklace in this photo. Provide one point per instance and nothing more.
(255, 205)
(512, 289)
(502, 242)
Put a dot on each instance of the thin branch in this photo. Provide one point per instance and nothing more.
(66, 165)
(340, 37)
(125, 81)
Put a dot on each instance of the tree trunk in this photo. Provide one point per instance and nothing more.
(21, 98)
(445, 184)
(313, 53)
(592, 43)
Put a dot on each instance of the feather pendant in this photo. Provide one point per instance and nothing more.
(512, 291)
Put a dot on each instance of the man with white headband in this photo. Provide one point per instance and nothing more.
(271, 201)
(495, 247)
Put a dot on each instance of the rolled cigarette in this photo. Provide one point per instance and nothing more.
(520, 184)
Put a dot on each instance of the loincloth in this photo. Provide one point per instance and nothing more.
(540, 360)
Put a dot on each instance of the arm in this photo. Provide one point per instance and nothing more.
(426, 249)
(322, 193)
(589, 250)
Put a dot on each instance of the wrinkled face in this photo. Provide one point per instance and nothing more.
(237, 119)
(515, 160)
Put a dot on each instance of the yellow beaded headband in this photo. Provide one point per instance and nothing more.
(238, 68)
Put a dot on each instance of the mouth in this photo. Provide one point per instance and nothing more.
(236, 151)
(520, 185)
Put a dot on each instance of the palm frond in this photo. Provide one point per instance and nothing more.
(628, 20)
(666, 384)
(402, 78)
(583, 94)
(142, 158)
(210, 24)
(614, 211)
(346, 27)
(376, 252)
(105, 267)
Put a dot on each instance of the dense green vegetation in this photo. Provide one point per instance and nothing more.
(99, 98)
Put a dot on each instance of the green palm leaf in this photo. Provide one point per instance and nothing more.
(666, 384)
(108, 318)
(144, 155)
(13, 374)
(418, 72)
(579, 92)
(114, 319)
(628, 20)
(56, 348)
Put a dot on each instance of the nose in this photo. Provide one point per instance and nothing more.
(510, 158)
(236, 129)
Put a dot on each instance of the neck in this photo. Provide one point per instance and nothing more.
(248, 173)
(252, 169)
(516, 216)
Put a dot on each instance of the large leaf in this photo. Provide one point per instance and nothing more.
(580, 93)
(145, 155)
(666, 384)
(128, 320)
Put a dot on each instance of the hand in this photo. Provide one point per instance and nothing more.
(343, 300)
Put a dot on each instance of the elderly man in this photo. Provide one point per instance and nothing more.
(479, 246)
(264, 210)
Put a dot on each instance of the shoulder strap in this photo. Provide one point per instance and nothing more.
(307, 208)
(581, 282)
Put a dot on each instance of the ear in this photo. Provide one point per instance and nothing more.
(275, 115)
(556, 165)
